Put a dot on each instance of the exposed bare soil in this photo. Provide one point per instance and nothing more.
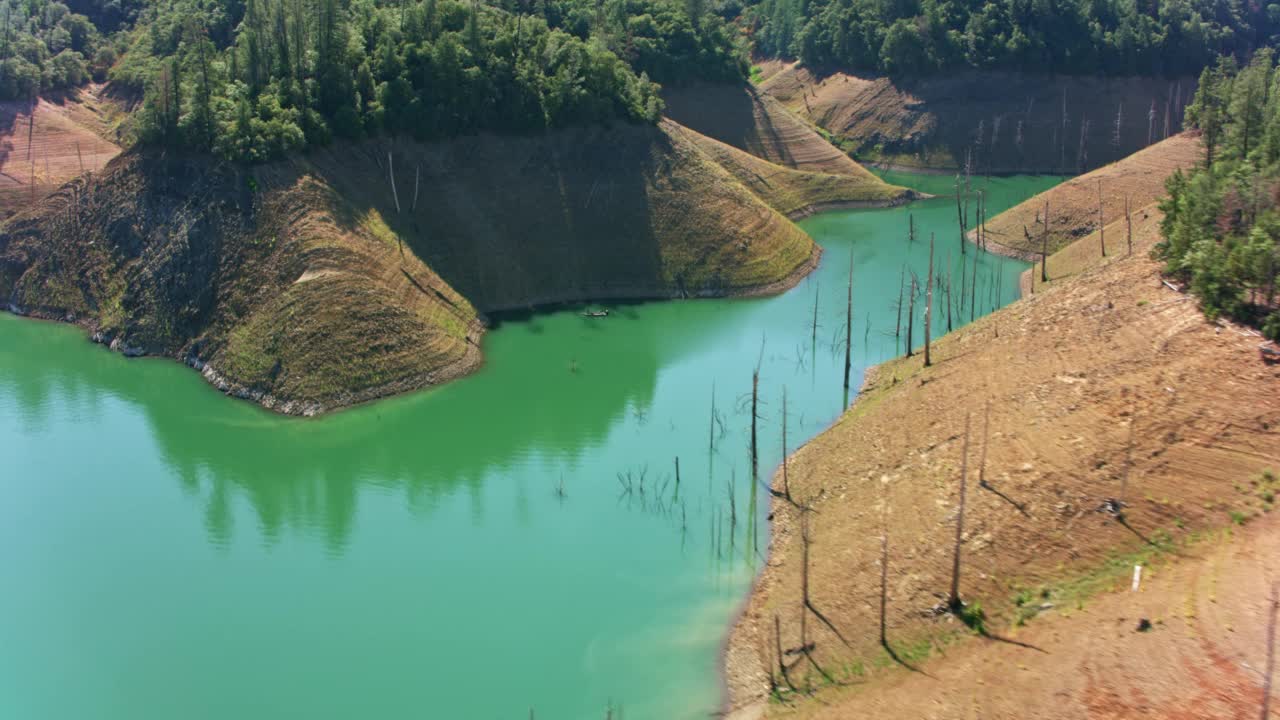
(48, 142)
(989, 122)
(1073, 205)
(358, 270)
(752, 121)
(1071, 374)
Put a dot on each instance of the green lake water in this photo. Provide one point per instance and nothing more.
(166, 552)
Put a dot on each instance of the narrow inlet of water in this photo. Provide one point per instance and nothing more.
(513, 540)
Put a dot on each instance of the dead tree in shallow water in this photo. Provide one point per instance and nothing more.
(711, 437)
(897, 330)
(755, 399)
(973, 290)
(911, 228)
(848, 327)
(928, 304)
(959, 215)
(948, 299)
(814, 324)
(786, 483)
(953, 600)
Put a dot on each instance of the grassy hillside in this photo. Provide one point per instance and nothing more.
(1073, 205)
(973, 118)
(311, 283)
(1068, 373)
(796, 193)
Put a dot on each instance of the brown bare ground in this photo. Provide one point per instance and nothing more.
(45, 144)
(972, 118)
(744, 117)
(1073, 205)
(1066, 372)
(1086, 252)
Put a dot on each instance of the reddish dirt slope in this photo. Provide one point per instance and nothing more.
(41, 149)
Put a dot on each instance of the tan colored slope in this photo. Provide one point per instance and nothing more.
(1065, 371)
(1073, 205)
(997, 122)
(1203, 659)
(742, 116)
(795, 193)
(48, 142)
(357, 271)
(1086, 252)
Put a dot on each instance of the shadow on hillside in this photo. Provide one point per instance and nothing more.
(1003, 122)
(517, 222)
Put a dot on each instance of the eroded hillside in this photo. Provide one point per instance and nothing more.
(1073, 206)
(990, 122)
(357, 271)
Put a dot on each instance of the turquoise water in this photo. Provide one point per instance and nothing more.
(468, 551)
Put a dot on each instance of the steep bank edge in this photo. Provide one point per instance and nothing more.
(1068, 370)
(1073, 205)
(991, 121)
(199, 261)
(796, 193)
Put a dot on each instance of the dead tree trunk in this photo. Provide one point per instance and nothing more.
(391, 172)
(897, 330)
(986, 438)
(1128, 461)
(973, 290)
(1102, 222)
(786, 483)
(948, 300)
(911, 316)
(1128, 224)
(804, 576)
(711, 437)
(417, 169)
(814, 325)
(928, 305)
(953, 601)
(959, 215)
(884, 587)
(1273, 606)
(848, 327)
(1044, 246)
(755, 398)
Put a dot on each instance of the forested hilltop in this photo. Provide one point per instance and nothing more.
(913, 37)
(1222, 220)
(253, 80)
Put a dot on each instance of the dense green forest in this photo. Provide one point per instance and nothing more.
(48, 46)
(253, 79)
(912, 37)
(1222, 220)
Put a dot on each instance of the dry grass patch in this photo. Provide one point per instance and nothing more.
(1073, 205)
